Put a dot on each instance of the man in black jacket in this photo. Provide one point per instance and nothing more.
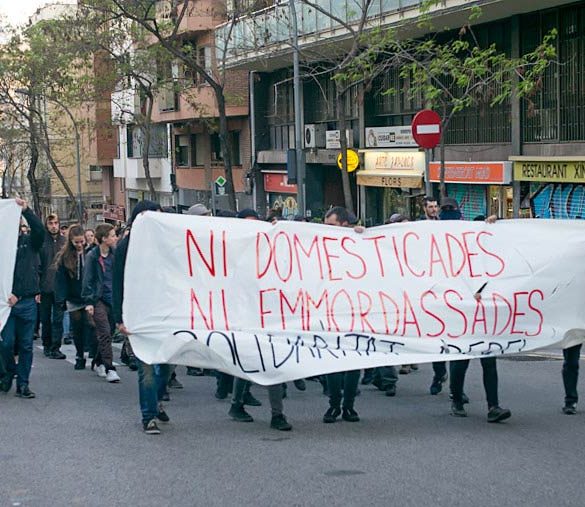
(51, 312)
(23, 316)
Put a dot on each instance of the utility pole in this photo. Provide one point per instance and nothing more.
(298, 113)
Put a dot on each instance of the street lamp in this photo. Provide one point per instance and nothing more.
(22, 91)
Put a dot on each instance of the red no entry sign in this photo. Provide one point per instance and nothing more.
(426, 128)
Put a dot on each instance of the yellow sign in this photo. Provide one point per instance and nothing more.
(555, 171)
(353, 161)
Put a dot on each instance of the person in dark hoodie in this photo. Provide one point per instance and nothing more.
(152, 379)
(70, 263)
(51, 312)
(23, 316)
(97, 293)
(450, 211)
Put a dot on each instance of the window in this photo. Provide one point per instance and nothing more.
(182, 149)
(216, 152)
(158, 141)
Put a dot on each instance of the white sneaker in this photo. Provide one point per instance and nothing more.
(112, 376)
(101, 371)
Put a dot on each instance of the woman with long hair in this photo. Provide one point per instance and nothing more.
(70, 263)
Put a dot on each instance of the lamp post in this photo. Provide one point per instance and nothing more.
(22, 91)
(297, 105)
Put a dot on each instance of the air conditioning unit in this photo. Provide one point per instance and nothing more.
(315, 136)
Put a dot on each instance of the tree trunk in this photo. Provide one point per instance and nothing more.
(32, 167)
(341, 125)
(224, 139)
(446, 120)
(147, 136)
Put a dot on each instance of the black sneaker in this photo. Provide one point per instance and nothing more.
(458, 410)
(174, 384)
(57, 354)
(331, 415)
(377, 382)
(391, 391)
(132, 364)
(437, 385)
(497, 414)
(280, 423)
(67, 340)
(162, 415)
(6, 383)
(251, 401)
(570, 408)
(367, 379)
(238, 413)
(464, 398)
(150, 427)
(24, 392)
(350, 415)
(221, 395)
(300, 384)
(79, 364)
(47, 351)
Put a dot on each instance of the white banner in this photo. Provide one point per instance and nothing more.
(9, 223)
(275, 303)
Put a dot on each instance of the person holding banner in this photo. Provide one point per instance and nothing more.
(152, 379)
(340, 217)
(23, 301)
(241, 388)
(570, 377)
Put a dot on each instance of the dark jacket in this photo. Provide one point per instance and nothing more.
(51, 247)
(67, 286)
(118, 282)
(92, 286)
(26, 270)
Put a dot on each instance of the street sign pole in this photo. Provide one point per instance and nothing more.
(428, 184)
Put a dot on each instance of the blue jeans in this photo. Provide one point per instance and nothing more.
(20, 324)
(152, 383)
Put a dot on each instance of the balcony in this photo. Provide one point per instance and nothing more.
(201, 15)
(261, 40)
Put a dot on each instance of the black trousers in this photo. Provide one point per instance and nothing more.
(440, 369)
(80, 330)
(51, 322)
(490, 379)
(349, 380)
(571, 373)
(225, 382)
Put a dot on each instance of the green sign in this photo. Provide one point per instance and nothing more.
(220, 181)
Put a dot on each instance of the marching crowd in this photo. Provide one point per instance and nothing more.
(72, 279)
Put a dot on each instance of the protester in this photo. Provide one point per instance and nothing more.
(340, 217)
(152, 379)
(89, 240)
(570, 377)
(199, 210)
(430, 208)
(23, 314)
(97, 285)
(51, 313)
(68, 288)
(241, 388)
(490, 384)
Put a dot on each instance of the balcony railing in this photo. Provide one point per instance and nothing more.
(271, 26)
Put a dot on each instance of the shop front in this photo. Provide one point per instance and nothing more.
(391, 182)
(280, 194)
(551, 187)
(480, 188)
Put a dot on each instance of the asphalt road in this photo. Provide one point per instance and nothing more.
(80, 443)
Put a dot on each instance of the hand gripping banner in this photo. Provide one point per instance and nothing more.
(272, 303)
(9, 222)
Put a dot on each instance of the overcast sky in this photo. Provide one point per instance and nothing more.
(17, 12)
